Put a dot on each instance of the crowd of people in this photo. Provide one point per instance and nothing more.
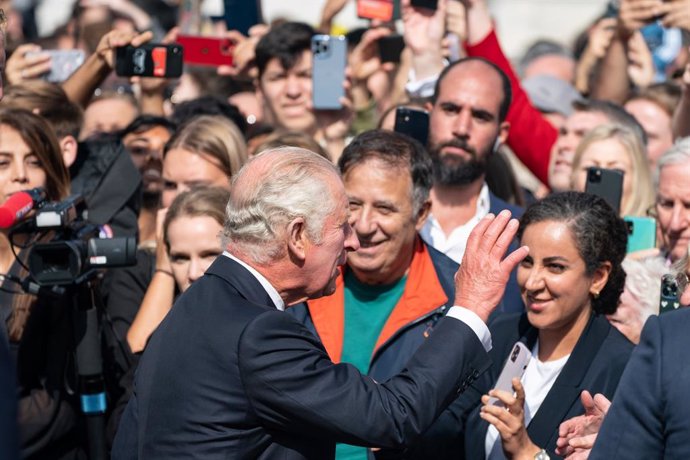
(314, 283)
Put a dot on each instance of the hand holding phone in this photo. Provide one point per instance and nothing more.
(149, 60)
(515, 366)
(63, 63)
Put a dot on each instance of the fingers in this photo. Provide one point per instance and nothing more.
(171, 36)
(140, 39)
(505, 238)
(602, 403)
(494, 231)
(478, 231)
(587, 401)
(583, 442)
(513, 259)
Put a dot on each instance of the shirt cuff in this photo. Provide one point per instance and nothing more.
(474, 322)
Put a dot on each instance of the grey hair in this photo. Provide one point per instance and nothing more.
(679, 153)
(292, 186)
(643, 282)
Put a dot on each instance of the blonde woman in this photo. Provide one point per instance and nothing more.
(614, 146)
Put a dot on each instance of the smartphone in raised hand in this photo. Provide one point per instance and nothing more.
(328, 71)
(515, 366)
(149, 60)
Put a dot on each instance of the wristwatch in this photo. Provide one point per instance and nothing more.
(542, 455)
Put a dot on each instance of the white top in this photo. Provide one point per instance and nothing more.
(463, 314)
(454, 244)
(537, 380)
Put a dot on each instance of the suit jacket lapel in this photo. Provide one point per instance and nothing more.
(241, 279)
(567, 387)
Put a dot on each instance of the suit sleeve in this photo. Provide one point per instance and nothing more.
(531, 136)
(634, 423)
(292, 384)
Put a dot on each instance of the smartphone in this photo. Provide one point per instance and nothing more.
(641, 233)
(428, 4)
(514, 367)
(669, 299)
(328, 71)
(391, 47)
(149, 60)
(375, 9)
(606, 183)
(63, 63)
(413, 122)
(206, 51)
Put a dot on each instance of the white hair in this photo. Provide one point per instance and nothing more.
(643, 282)
(260, 207)
(679, 153)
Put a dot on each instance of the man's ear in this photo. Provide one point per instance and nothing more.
(68, 148)
(298, 242)
(423, 214)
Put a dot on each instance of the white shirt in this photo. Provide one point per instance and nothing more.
(454, 245)
(268, 287)
(463, 314)
(537, 381)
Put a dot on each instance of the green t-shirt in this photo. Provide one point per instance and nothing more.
(367, 309)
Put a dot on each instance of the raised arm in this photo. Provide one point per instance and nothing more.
(531, 136)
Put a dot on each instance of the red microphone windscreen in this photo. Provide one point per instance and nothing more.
(14, 208)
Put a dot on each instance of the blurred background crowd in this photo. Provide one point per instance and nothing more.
(518, 101)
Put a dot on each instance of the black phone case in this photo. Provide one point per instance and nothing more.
(149, 60)
(606, 183)
(428, 4)
(413, 122)
(391, 47)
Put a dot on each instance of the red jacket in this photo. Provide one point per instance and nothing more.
(531, 136)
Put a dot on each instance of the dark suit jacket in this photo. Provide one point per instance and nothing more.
(226, 375)
(511, 301)
(596, 364)
(649, 415)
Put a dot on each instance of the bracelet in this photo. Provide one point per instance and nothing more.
(160, 270)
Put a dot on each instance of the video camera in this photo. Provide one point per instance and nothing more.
(76, 250)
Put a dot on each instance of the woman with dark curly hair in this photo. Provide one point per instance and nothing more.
(570, 280)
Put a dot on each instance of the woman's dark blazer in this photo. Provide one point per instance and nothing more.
(596, 364)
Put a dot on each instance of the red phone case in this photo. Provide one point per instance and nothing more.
(375, 9)
(208, 51)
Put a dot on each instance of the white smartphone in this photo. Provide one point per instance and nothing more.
(514, 367)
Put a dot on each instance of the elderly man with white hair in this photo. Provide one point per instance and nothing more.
(228, 374)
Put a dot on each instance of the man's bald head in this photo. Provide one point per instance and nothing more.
(479, 66)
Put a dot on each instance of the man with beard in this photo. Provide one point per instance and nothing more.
(467, 124)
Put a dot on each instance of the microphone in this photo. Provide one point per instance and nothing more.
(19, 205)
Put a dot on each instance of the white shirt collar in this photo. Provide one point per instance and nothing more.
(270, 290)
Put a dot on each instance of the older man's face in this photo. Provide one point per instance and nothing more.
(673, 208)
(382, 215)
(321, 267)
